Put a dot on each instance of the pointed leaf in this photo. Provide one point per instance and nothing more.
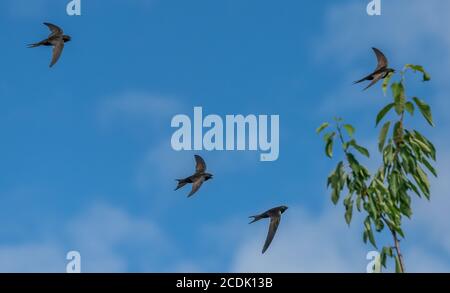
(426, 76)
(383, 133)
(322, 127)
(360, 149)
(350, 129)
(329, 146)
(425, 110)
(398, 91)
(386, 82)
(410, 108)
(383, 112)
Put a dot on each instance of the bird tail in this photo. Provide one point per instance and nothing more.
(255, 218)
(34, 45)
(368, 77)
(181, 183)
(361, 80)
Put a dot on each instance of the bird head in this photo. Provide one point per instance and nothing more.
(208, 176)
(67, 38)
(283, 209)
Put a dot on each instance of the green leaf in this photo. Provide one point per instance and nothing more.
(350, 129)
(414, 188)
(349, 213)
(399, 231)
(335, 196)
(337, 181)
(322, 127)
(327, 136)
(423, 147)
(365, 236)
(422, 181)
(398, 132)
(393, 183)
(383, 112)
(422, 138)
(410, 108)
(398, 91)
(385, 252)
(426, 76)
(368, 230)
(329, 146)
(383, 133)
(429, 167)
(359, 148)
(406, 209)
(371, 238)
(425, 110)
(424, 178)
(386, 81)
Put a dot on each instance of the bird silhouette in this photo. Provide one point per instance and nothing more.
(381, 72)
(198, 178)
(55, 39)
(275, 218)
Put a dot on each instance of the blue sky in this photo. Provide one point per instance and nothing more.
(86, 162)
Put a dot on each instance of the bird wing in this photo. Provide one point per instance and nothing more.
(200, 164)
(382, 60)
(196, 185)
(57, 50)
(274, 222)
(376, 78)
(56, 30)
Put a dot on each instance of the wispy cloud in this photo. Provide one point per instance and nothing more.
(43, 257)
(150, 110)
(304, 243)
(23, 9)
(104, 235)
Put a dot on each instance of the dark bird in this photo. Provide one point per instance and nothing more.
(275, 217)
(381, 72)
(198, 178)
(57, 38)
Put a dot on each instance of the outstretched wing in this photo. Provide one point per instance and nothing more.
(382, 60)
(57, 50)
(200, 164)
(196, 185)
(274, 222)
(56, 30)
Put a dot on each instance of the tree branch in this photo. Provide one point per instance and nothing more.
(399, 253)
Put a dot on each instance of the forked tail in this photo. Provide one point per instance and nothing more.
(181, 183)
(255, 218)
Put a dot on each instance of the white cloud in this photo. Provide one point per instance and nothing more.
(32, 258)
(146, 109)
(25, 9)
(304, 243)
(101, 231)
(104, 236)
